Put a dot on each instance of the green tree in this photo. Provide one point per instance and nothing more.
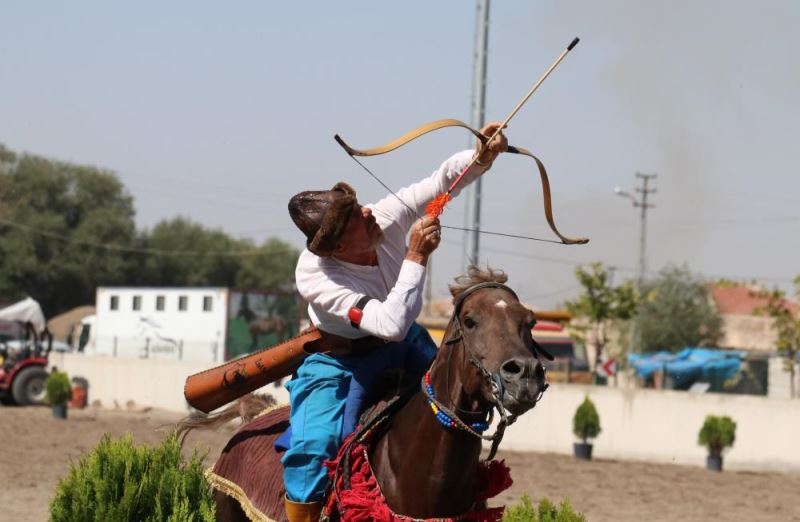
(786, 324)
(181, 252)
(7, 158)
(271, 266)
(63, 230)
(676, 311)
(184, 253)
(66, 229)
(7, 161)
(600, 304)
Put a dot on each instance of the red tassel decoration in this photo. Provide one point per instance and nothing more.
(436, 206)
(494, 478)
(364, 500)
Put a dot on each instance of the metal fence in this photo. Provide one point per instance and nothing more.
(159, 348)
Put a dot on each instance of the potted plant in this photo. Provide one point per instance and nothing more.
(716, 434)
(585, 426)
(58, 392)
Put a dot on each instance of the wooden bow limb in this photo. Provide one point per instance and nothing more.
(548, 208)
(410, 136)
(441, 124)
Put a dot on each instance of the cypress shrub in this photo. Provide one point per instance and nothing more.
(586, 422)
(546, 511)
(119, 482)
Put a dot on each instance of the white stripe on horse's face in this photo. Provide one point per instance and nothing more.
(501, 304)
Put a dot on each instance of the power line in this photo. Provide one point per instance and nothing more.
(718, 222)
(735, 222)
(132, 250)
(707, 275)
(248, 253)
(629, 269)
(522, 255)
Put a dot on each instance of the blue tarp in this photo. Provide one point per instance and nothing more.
(689, 365)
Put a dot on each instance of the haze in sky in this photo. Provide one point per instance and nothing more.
(221, 111)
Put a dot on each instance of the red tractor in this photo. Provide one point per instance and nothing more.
(23, 361)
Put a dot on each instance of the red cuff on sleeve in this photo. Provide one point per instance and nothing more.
(356, 313)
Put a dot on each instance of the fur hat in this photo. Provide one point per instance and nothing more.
(322, 215)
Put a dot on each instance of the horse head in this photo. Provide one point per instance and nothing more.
(490, 333)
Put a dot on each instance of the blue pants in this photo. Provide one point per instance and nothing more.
(318, 395)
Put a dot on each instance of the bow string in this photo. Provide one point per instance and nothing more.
(445, 123)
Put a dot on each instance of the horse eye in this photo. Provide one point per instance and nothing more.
(469, 322)
(531, 324)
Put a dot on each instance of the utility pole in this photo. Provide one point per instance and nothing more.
(640, 202)
(644, 190)
(472, 215)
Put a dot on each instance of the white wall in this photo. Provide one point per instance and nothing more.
(156, 383)
(780, 381)
(192, 334)
(650, 425)
(663, 426)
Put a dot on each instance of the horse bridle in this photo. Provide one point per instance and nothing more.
(494, 380)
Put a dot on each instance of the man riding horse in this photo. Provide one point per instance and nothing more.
(364, 289)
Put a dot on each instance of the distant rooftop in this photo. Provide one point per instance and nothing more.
(742, 300)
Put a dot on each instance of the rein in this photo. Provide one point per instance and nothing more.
(447, 416)
(341, 468)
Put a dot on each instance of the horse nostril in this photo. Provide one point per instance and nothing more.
(513, 367)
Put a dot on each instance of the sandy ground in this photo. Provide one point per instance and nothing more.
(36, 451)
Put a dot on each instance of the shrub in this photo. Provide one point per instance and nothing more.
(118, 481)
(586, 423)
(717, 434)
(58, 389)
(546, 512)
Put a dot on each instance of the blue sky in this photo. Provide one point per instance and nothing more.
(221, 111)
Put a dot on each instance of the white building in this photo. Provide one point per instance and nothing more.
(192, 324)
(176, 323)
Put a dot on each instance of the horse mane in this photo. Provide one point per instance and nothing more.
(474, 276)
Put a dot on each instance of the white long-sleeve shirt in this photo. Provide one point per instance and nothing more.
(332, 287)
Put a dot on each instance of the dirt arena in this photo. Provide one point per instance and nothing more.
(37, 450)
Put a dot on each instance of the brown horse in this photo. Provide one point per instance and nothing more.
(487, 361)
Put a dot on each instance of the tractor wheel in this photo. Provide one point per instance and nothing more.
(28, 386)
